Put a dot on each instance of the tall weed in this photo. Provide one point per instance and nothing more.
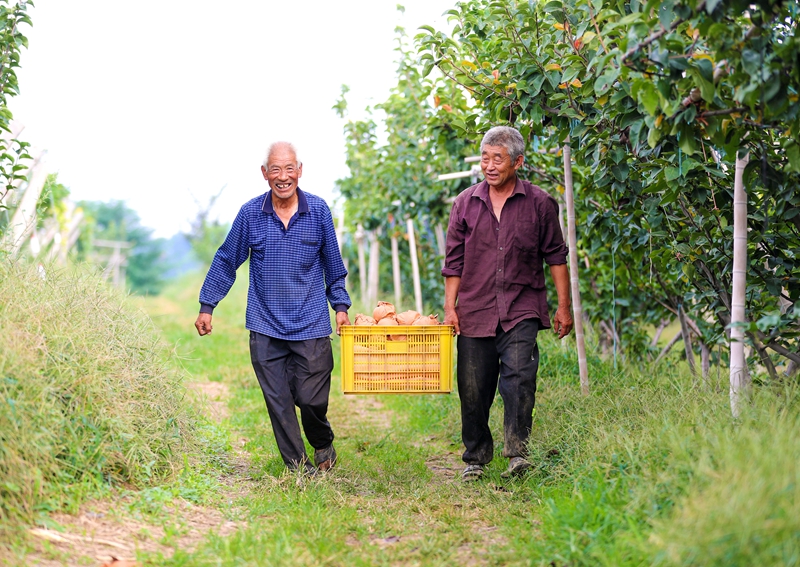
(87, 391)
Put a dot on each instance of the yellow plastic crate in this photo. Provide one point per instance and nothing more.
(405, 359)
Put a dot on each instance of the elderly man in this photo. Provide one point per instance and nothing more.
(500, 233)
(295, 264)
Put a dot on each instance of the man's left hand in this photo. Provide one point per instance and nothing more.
(562, 322)
(341, 319)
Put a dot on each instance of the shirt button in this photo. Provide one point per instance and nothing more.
(498, 228)
(501, 248)
(500, 270)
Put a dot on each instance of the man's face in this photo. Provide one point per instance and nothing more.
(497, 167)
(282, 172)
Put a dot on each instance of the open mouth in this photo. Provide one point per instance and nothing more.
(283, 186)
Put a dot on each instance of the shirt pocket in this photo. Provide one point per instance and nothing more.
(521, 267)
(309, 252)
(526, 238)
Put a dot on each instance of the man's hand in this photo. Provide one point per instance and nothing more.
(450, 318)
(451, 287)
(203, 324)
(341, 319)
(562, 322)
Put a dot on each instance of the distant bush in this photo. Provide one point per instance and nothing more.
(87, 391)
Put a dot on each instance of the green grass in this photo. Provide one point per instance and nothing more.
(88, 397)
(648, 470)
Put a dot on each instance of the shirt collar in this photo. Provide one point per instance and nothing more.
(482, 192)
(302, 202)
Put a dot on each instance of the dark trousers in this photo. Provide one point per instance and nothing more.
(514, 357)
(295, 373)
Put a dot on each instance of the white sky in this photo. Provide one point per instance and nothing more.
(146, 101)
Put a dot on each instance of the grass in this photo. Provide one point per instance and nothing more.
(88, 397)
(628, 476)
(648, 470)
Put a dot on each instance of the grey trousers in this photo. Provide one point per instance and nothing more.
(513, 357)
(295, 373)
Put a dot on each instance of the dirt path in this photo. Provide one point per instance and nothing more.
(110, 532)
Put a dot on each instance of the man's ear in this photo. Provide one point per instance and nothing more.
(264, 172)
(518, 163)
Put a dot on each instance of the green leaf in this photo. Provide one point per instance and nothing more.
(653, 137)
(647, 95)
(672, 173)
(553, 6)
(793, 154)
(752, 62)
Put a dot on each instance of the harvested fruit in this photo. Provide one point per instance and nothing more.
(363, 320)
(427, 320)
(391, 321)
(384, 309)
(407, 317)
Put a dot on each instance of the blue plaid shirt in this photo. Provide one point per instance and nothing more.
(292, 270)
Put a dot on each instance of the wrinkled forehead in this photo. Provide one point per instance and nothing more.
(282, 156)
(494, 151)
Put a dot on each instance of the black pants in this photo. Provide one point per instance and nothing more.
(295, 373)
(514, 357)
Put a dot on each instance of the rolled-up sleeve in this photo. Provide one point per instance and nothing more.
(552, 248)
(454, 243)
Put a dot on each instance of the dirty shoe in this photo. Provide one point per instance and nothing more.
(517, 466)
(325, 458)
(472, 473)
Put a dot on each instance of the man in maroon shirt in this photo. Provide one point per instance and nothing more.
(500, 233)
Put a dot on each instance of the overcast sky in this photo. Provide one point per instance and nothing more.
(152, 102)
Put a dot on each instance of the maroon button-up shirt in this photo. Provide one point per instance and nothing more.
(500, 263)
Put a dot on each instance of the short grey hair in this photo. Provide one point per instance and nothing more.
(505, 136)
(275, 145)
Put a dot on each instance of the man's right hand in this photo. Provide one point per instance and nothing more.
(450, 318)
(203, 324)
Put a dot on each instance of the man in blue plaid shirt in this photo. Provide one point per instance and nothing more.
(295, 266)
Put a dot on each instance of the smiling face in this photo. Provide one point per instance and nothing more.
(282, 172)
(499, 171)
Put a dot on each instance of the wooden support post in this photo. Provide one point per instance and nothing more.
(398, 292)
(412, 244)
(739, 378)
(362, 264)
(374, 267)
(440, 241)
(577, 308)
(24, 219)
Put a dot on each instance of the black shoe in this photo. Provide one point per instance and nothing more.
(325, 458)
(472, 473)
(517, 466)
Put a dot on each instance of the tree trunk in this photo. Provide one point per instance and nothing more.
(687, 340)
(577, 307)
(412, 245)
(661, 326)
(396, 273)
(669, 346)
(740, 382)
(705, 362)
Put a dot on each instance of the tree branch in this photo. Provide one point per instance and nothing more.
(722, 112)
(655, 36)
(783, 351)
